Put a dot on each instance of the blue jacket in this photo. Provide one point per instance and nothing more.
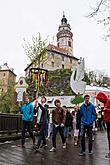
(27, 111)
(87, 114)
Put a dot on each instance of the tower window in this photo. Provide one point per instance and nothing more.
(62, 66)
(53, 55)
(3, 74)
(70, 61)
(42, 65)
(53, 64)
(69, 43)
(62, 58)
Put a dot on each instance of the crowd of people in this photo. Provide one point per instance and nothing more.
(81, 124)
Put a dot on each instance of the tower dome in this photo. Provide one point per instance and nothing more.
(63, 20)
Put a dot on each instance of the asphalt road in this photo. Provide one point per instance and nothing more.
(10, 154)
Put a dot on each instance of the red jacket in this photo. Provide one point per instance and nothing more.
(104, 99)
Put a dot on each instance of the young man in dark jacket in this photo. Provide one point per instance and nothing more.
(87, 116)
(58, 119)
(42, 119)
(68, 121)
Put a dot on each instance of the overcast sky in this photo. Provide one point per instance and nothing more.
(23, 18)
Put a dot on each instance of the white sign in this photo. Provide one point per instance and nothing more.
(21, 88)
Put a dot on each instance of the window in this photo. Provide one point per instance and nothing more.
(62, 66)
(62, 41)
(3, 74)
(53, 55)
(69, 43)
(53, 64)
(62, 58)
(42, 65)
(70, 61)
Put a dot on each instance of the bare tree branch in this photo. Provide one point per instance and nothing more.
(96, 9)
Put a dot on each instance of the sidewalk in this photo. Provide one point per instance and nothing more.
(12, 155)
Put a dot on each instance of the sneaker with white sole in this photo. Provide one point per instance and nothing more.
(53, 149)
(82, 153)
(43, 146)
(90, 153)
(64, 145)
(108, 155)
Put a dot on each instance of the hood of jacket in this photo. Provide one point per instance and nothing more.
(102, 97)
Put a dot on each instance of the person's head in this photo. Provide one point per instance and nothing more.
(57, 103)
(28, 99)
(65, 108)
(76, 108)
(43, 99)
(87, 99)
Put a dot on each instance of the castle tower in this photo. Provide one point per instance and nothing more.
(65, 36)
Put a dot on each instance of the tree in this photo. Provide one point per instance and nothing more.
(94, 77)
(8, 100)
(86, 78)
(36, 49)
(101, 12)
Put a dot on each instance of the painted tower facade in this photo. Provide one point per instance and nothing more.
(65, 36)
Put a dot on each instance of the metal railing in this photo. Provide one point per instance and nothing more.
(12, 123)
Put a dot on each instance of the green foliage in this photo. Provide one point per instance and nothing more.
(87, 79)
(8, 101)
(59, 82)
(36, 50)
(77, 100)
(94, 77)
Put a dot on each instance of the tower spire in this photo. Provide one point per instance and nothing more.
(63, 14)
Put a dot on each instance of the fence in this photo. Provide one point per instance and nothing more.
(11, 123)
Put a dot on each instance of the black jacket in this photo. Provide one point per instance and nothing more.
(69, 119)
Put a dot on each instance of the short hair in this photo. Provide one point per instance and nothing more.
(57, 101)
(64, 106)
(29, 97)
(86, 96)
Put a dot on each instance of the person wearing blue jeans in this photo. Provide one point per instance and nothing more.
(58, 120)
(55, 131)
(68, 121)
(87, 116)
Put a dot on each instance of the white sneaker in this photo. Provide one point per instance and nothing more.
(64, 145)
(53, 149)
(75, 144)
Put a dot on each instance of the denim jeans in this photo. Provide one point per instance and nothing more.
(55, 131)
(27, 124)
(85, 129)
(65, 132)
(41, 137)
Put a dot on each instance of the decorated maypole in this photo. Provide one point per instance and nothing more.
(39, 76)
(37, 51)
